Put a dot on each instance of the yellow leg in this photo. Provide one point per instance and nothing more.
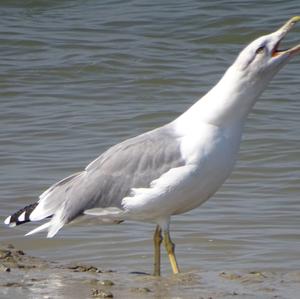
(170, 247)
(157, 239)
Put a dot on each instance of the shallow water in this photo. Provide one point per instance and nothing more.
(79, 76)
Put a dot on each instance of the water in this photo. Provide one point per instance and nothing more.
(79, 76)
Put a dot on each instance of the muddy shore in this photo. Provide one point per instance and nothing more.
(24, 276)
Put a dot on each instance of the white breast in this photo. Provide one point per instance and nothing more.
(209, 154)
(212, 151)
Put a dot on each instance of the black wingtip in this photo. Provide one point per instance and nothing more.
(21, 216)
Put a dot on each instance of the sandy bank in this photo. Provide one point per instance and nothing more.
(24, 276)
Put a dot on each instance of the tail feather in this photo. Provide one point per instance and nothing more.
(39, 228)
(56, 223)
(52, 226)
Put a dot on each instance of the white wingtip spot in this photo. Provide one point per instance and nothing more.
(22, 217)
(7, 220)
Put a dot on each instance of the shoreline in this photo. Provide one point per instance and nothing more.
(24, 276)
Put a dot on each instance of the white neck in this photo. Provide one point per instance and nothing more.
(227, 103)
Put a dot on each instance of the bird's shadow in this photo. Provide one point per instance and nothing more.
(140, 273)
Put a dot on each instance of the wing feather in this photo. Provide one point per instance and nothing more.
(134, 163)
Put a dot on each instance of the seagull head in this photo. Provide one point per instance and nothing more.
(233, 97)
(263, 58)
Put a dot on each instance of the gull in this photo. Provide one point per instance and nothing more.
(171, 169)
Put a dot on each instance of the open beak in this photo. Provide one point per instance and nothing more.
(282, 32)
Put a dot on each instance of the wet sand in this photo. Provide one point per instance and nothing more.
(24, 276)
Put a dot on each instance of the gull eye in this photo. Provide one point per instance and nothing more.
(260, 50)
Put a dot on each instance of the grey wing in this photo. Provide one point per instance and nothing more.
(134, 163)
